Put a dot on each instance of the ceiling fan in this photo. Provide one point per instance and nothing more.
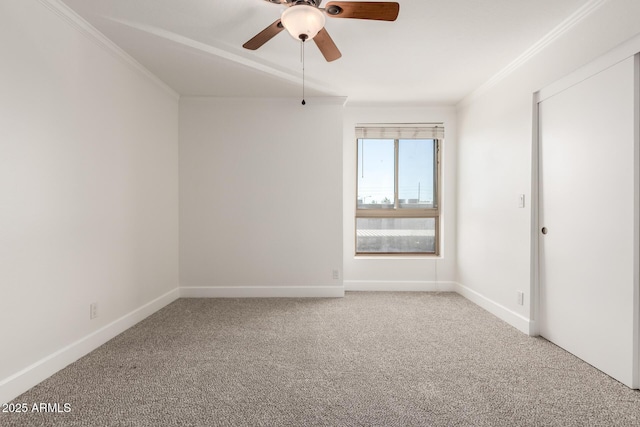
(304, 20)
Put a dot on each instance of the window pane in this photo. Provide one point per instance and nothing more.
(395, 235)
(416, 173)
(375, 173)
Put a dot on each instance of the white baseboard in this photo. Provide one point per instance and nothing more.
(511, 317)
(398, 286)
(18, 383)
(262, 292)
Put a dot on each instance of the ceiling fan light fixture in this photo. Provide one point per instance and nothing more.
(303, 22)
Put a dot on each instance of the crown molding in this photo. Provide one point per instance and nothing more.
(222, 52)
(311, 101)
(564, 27)
(91, 33)
(400, 104)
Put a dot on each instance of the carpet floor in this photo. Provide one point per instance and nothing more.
(369, 359)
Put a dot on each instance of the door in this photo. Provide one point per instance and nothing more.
(586, 240)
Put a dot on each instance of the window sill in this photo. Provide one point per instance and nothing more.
(398, 257)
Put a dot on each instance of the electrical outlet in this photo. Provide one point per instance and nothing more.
(520, 298)
(336, 275)
(93, 310)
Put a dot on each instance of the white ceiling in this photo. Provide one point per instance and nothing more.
(436, 52)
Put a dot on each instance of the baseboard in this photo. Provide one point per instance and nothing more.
(18, 383)
(15, 385)
(262, 292)
(511, 317)
(398, 286)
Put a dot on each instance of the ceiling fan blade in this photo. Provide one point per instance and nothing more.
(264, 36)
(379, 11)
(327, 46)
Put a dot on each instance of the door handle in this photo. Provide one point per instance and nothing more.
(544, 230)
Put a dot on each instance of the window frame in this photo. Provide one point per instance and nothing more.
(399, 212)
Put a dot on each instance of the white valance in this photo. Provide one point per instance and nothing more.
(400, 131)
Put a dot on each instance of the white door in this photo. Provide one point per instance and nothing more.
(587, 210)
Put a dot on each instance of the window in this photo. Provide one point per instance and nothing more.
(397, 206)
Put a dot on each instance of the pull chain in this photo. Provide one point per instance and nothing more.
(302, 57)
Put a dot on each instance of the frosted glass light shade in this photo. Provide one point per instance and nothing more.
(303, 22)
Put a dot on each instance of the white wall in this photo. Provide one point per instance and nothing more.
(495, 162)
(88, 192)
(260, 197)
(401, 273)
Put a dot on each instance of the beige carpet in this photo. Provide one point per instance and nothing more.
(369, 359)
